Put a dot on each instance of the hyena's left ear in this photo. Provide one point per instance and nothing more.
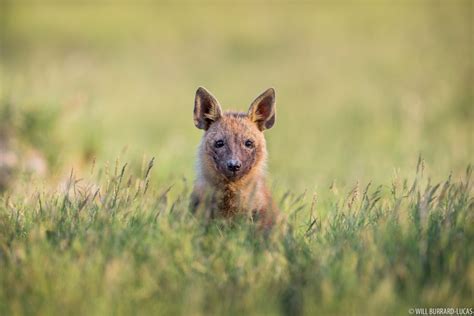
(206, 109)
(262, 111)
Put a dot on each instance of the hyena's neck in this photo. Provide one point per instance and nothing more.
(235, 197)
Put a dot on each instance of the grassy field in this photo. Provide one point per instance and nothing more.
(369, 159)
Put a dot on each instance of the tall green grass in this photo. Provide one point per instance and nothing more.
(123, 247)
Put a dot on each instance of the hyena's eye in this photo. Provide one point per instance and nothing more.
(249, 143)
(219, 143)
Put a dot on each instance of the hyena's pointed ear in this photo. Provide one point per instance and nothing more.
(262, 111)
(206, 109)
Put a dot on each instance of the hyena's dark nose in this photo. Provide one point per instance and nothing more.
(233, 165)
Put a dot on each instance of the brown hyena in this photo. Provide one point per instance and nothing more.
(232, 159)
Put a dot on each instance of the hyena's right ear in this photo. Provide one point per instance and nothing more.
(206, 109)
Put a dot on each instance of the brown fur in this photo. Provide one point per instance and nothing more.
(220, 191)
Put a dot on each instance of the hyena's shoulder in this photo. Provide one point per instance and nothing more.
(197, 196)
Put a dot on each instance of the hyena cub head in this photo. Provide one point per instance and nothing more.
(233, 146)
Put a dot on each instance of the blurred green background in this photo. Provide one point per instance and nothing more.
(363, 88)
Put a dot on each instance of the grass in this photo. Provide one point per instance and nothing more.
(123, 248)
(363, 88)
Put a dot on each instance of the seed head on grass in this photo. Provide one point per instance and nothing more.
(353, 196)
